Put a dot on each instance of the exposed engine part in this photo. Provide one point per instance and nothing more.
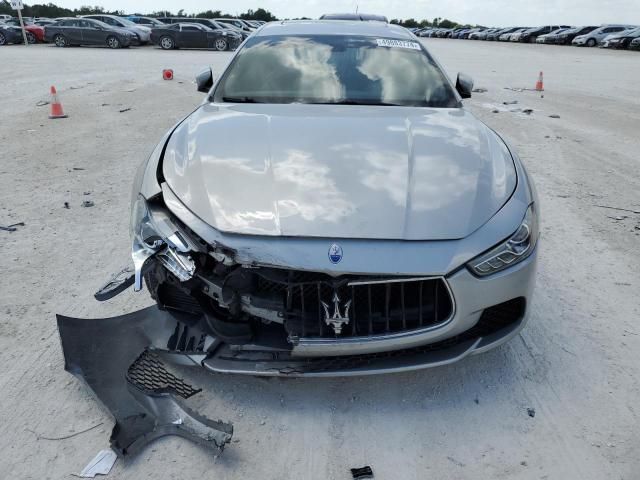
(179, 264)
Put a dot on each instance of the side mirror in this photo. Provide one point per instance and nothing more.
(204, 80)
(464, 85)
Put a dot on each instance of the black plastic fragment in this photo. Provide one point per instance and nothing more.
(363, 472)
(106, 354)
(116, 285)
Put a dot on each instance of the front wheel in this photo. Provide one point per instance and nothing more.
(167, 43)
(113, 42)
(221, 44)
(3, 40)
(591, 42)
(60, 41)
(31, 38)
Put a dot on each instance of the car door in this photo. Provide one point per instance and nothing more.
(193, 36)
(92, 34)
(72, 31)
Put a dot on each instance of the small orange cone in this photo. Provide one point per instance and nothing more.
(56, 106)
(167, 74)
(540, 84)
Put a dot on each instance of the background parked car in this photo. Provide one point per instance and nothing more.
(141, 34)
(506, 37)
(35, 33)
(44, 21)
(566, 37)
(9, 34)
(622, 39)
(529, 36)
(550, 37)
(145, 21)
(594, 37)
(236, 22)
(193, 35)
(212, 24)
(493, 36)
(86, 31)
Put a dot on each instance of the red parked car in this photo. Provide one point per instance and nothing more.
(35, 33)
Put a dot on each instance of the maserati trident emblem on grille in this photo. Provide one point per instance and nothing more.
(337, 320)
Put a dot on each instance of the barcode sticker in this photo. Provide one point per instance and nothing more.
(387, 42)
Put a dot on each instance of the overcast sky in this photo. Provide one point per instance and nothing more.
(485, 12)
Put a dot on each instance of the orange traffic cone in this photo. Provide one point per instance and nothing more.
(56, 106)
(540, 84)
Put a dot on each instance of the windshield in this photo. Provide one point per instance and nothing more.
(335, 69)
(127, 22)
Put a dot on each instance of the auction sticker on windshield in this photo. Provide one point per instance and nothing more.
(387, 42)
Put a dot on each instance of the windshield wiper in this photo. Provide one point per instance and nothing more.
(240, 100)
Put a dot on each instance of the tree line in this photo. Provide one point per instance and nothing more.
(51, 10)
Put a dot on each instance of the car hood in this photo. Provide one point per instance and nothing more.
(339, 171)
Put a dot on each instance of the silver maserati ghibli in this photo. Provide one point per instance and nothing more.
(331, 208)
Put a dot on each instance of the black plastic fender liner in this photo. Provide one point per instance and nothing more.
(101, 352)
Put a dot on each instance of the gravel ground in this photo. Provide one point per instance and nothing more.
(576, 363)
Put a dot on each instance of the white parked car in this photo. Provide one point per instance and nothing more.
(596, 36)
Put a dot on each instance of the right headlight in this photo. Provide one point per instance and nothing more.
(513, 250)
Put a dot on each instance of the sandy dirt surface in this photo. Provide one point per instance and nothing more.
(577, 363)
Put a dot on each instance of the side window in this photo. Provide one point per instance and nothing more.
(109, 21)
(72, 23)
(191, 28)
(85, 24)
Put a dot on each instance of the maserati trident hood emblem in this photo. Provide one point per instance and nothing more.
(336, 320)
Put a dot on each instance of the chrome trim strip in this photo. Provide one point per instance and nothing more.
(394, 280)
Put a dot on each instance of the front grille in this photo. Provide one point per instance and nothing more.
(364, 307)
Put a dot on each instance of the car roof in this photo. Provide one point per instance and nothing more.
(334, 27)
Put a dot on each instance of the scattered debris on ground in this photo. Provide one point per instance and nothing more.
(510, 102)
(101, 464)
(78, 168)
(64, 437)
(12, 227)
(531, 412)
(363, 472)
(122, 110)
(66, 205)
(479, 90)
(528, 111)
(42, 103)
(618, 208)
(555, 115)
(88, 203)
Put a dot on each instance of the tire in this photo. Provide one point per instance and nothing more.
(113, 42)
(3, 40)
(591, 42)
(167, 43)
(60, 41)
(532, 39)
(221, 44)
(31, 38)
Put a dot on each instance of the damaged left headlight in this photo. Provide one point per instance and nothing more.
(515, 249)
(154, 233)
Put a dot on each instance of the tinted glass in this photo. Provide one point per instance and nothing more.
(335, 69)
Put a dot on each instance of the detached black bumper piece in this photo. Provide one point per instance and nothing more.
(115, 357)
